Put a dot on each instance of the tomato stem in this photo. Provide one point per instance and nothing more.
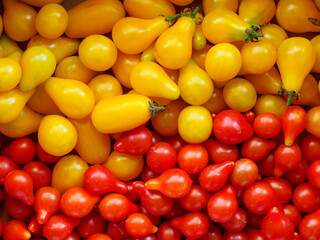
(171, 19)
(154, 108)
(252, 33)
(194, 13)
(290, 97)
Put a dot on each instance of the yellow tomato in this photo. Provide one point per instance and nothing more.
(149, 79)
(10, 74)
(52, 21)
(270, 103)
(97, 52)
(216, 103)
(195, 124)
(149, 8)
(12, 103)
(266, 83)
(93, 17)
(223, 62)
(72, 68)
(181, 2)
(38, 64)
(195, 84)
(124, 167)
(26, 123)
(104, 86)
(92, 146)
(274, 33)
(257, 12)
(200, 56)
(19, 20)
(209, 5)
(121, 113)
(316, 45)
(258, 57)
(173, 48)
(123, 67)
(61, 47)
(239, 94)
(40, 3)
(68, 172)
(199, 40)
(56, 135)
(166, 122)
(74, 98)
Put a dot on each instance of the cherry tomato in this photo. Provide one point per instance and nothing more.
(244, 173)
(40, 174)
(6, 165)
(22, 150)
(306, 198)
(91, 224)
(267, 125)
(220, 152)
(193, 158)
(310, 147)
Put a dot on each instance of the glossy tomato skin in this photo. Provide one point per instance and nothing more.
(309, 226)
(306, 198)
(167, 232)
(310, 147)
(22, 150)
(267, 125)
(314, 174)
(40, 174)
(91, 224)
(220, 152)
(230, 127)
(6, 165)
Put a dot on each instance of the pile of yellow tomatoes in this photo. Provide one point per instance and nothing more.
(75, 74)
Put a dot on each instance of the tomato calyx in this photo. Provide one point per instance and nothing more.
(171, 19)
(314, 21)
(290, 95)
(192, 14)
(253, 35)
(154, 108)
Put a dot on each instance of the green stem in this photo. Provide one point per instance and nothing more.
(194, 13)
(290, 97)
(154, 108)
(172, 18)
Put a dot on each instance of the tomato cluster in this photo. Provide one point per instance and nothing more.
(160, 119)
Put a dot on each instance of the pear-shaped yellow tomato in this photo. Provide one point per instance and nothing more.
(16, 56)
(123, 67)
(52, 21)
(93, 17)
(296, 57)
(195, 85)
(257, 12)
(57, 135)
(122, 113)
(92, 145)
(195, 124)
(292, 15)
(216, 103)
(26, 123)
(181, 2)
(40, 3)
(270, 103)
(125, 167)
(19, 20)
(10, 74)
(68, 172)
(309, 94)
(12, 103)
(173, 48)
(42, 103)
(223, 25)
(199, 41)
(166, 122)
(97, 52)
(8, 46)
(105, 85)
(38, 64)
(61, 47)
(133, 35)
(274, 33)
(316, 45)
(239, 94)
(223, 62)
(209, 5)
(149, 79)
(158, 100)
(258, 57)
(148, 53)
(266, 83)
(72, 68)
(200, 56)
(74, 98)
(149, 8)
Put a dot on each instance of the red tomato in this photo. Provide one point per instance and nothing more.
(310, 147)
(220, 152)
(196, 199)
(40, 174)
(167, 232)
(44, 156)
(22, 150)
(193, 158)
(314, 174)
(306, 198)
(6, 165)
(91, 224)
(244, 173)
(238, 223)
(267, 125)
(161, 156)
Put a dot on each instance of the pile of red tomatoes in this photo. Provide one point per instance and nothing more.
(160, 120)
